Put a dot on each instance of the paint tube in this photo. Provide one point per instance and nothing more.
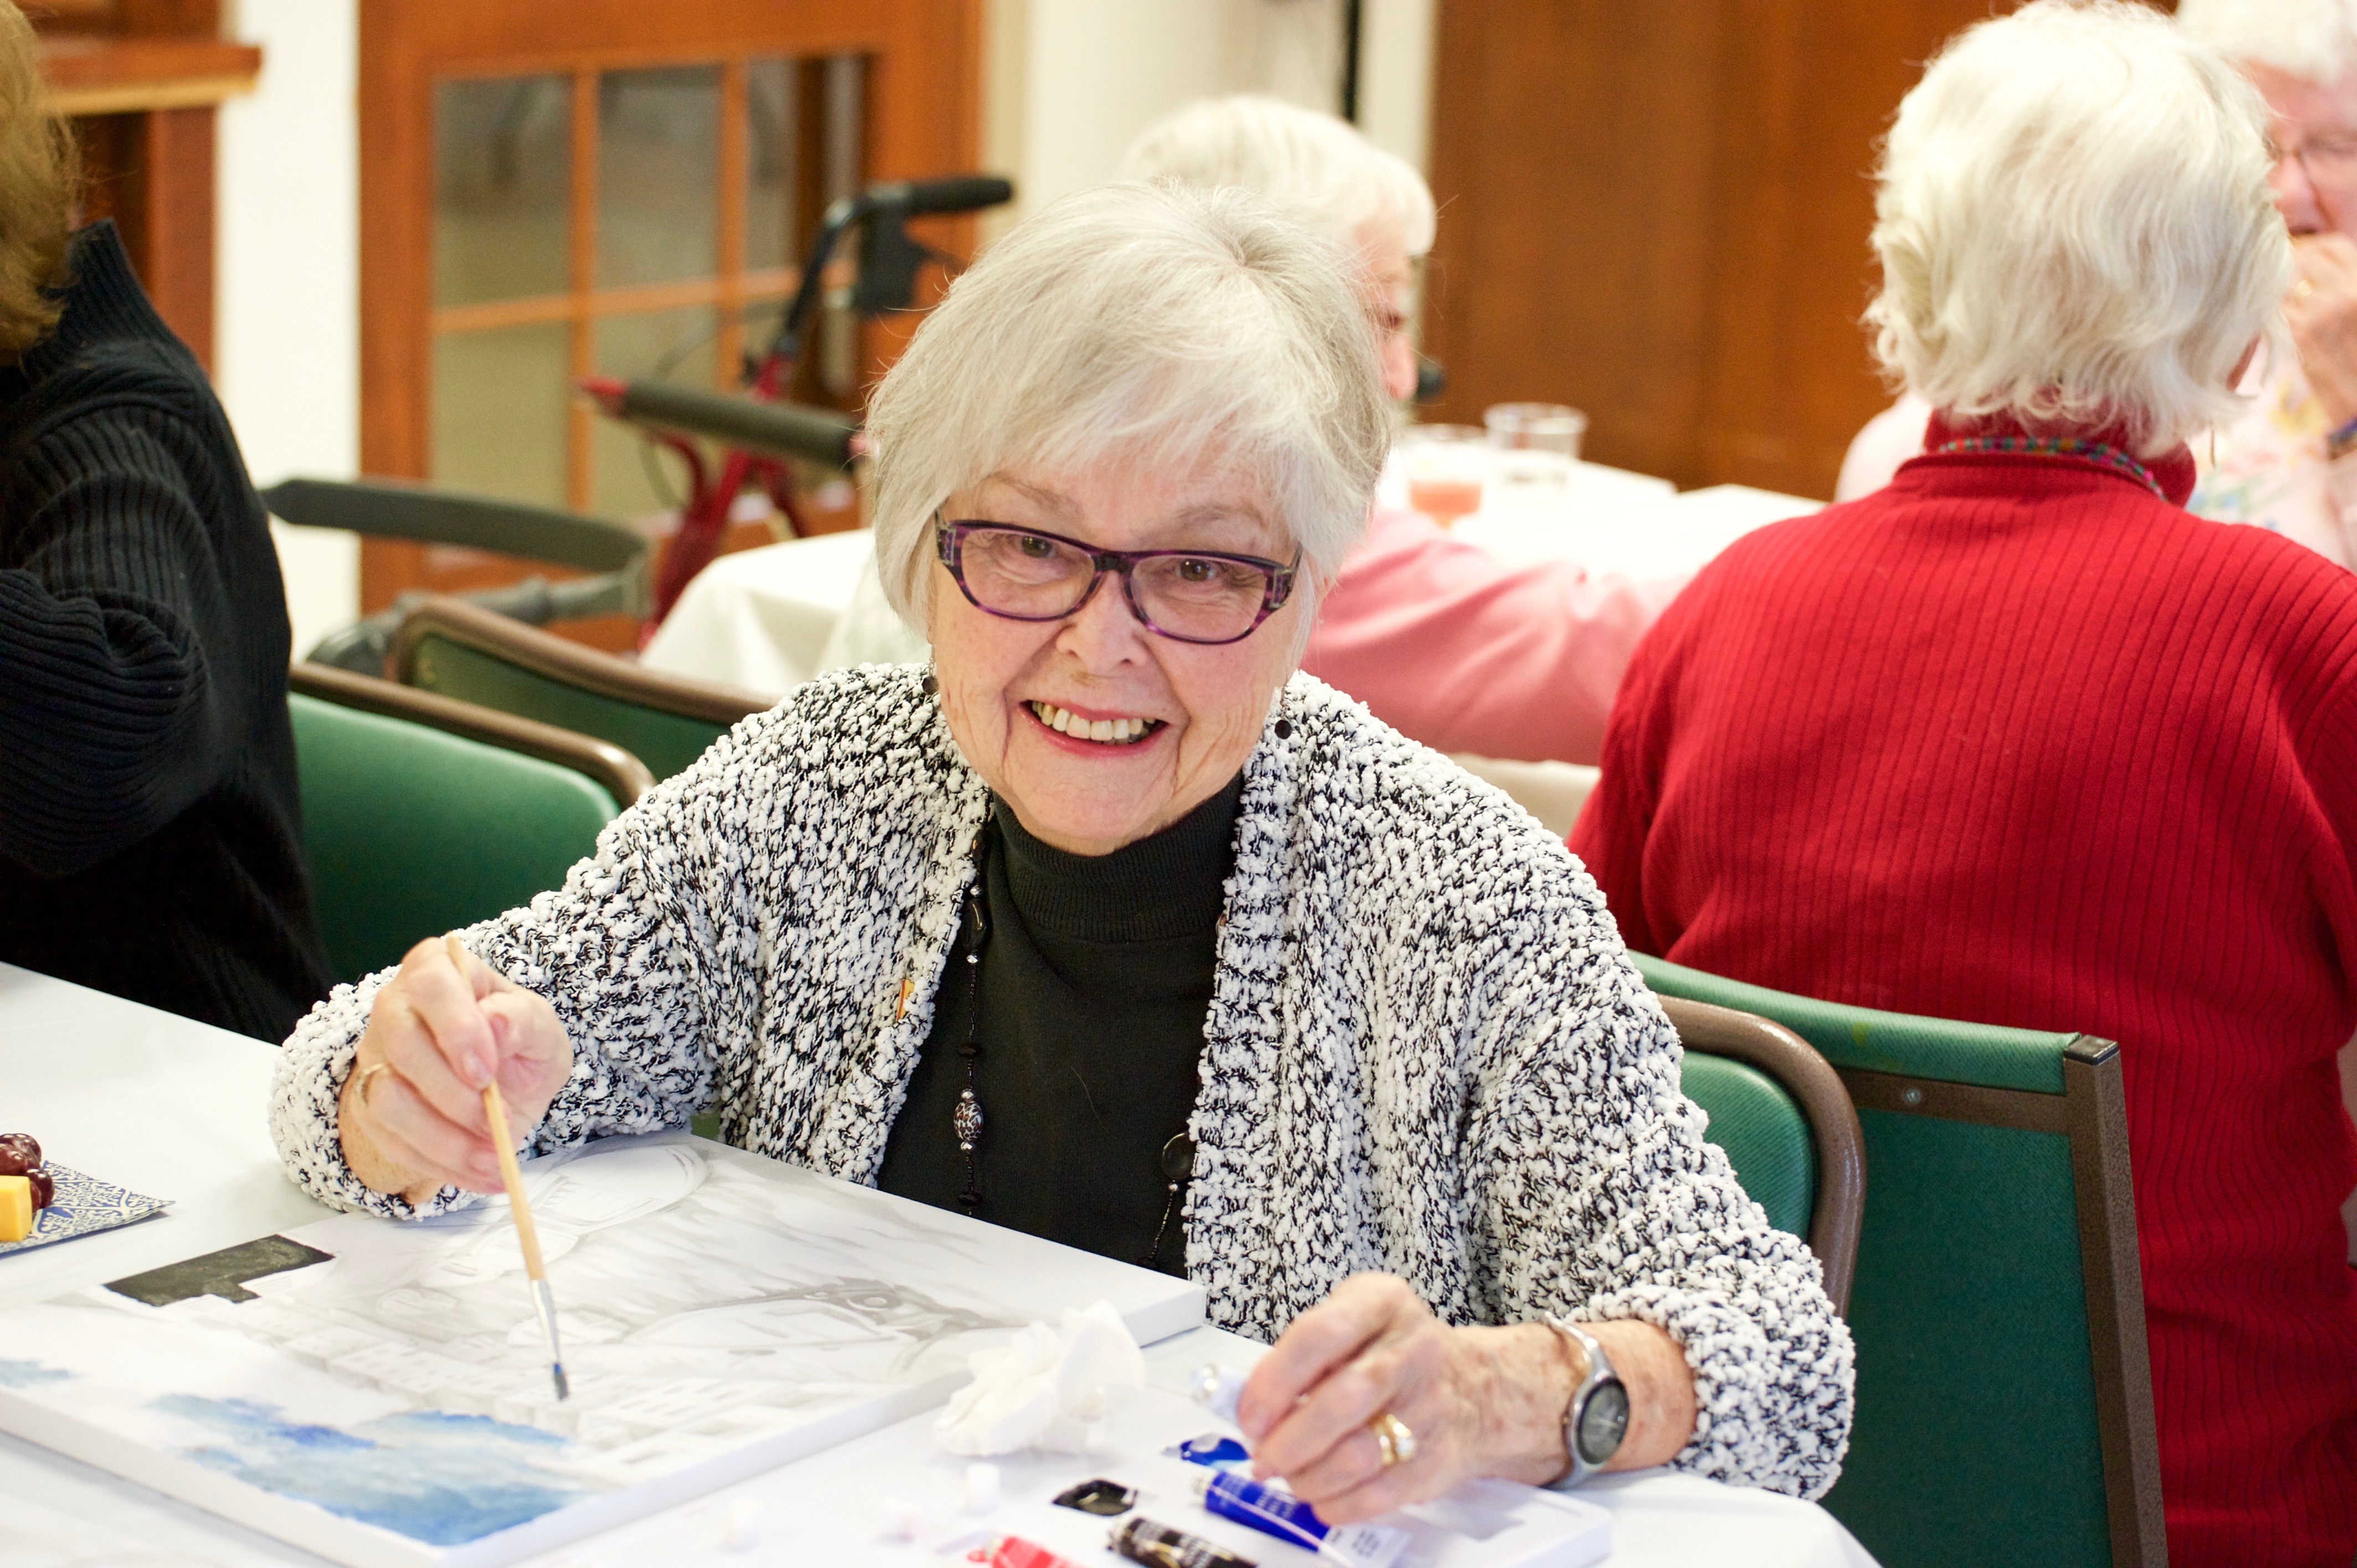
(1014, 1551)
(1275, 1511)
(1160, 1546)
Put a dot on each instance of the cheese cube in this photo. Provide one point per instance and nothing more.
(16, 1208)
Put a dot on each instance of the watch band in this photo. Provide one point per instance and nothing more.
(1597, 1416)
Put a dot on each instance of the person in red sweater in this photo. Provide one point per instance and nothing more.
(2018, 740)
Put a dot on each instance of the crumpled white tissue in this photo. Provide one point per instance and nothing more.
(1047, 1390)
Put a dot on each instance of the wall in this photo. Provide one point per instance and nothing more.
(287, 323)
(1071, 82)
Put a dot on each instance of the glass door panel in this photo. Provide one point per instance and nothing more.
(503, 170)
(658, 175)
(773, 230)
(500, 402)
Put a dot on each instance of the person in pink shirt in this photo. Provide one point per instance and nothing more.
(1439, 638)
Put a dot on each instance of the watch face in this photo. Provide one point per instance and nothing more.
(1602, 1421)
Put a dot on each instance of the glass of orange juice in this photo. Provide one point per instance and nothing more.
(1445, 466)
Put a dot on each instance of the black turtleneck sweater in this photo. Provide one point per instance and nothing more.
(150, 843)
(1095, 977)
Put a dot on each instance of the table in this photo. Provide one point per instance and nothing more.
(175, 1109)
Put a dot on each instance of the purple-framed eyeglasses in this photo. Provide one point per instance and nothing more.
(1187, 596)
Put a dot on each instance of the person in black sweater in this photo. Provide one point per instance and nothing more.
(150, 844)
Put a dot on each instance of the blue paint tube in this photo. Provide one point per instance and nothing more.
(1275, 1511)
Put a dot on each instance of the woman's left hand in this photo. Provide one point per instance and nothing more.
(1478, 1402)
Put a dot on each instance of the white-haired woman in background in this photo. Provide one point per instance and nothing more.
(1223, 926)
(2017, 739)
(2288, 459)
(1440, 639)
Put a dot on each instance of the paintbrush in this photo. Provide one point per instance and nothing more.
(495, 1113)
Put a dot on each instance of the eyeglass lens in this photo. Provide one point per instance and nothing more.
(2327, 154)
(1026, 575)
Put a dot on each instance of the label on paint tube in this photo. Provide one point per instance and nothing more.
(1277, 1512)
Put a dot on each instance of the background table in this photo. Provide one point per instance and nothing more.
(175, 1109)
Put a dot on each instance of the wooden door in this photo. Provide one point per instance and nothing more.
(1660, 214)
(557, 188)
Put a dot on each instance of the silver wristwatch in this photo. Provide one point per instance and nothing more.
(1598, 1416)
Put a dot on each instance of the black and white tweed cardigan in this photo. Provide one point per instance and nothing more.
(1426, 1051)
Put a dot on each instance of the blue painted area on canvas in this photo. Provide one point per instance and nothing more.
(433, 1476)
(28, 1374)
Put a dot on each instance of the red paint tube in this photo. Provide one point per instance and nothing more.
(1014, 1551)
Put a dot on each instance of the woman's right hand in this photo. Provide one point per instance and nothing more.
(411, 1113)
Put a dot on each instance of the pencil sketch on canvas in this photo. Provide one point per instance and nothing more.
(712, 1306)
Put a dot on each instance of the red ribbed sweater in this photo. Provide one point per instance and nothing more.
(2014, 741)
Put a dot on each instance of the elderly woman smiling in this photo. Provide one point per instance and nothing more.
(1113, 929)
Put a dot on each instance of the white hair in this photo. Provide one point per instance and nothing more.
(2074, 225)
(1150, 327)
(1307, 163)
(2313, 39)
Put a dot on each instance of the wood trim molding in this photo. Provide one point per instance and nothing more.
(1837, 1209)
(621, 775)
(96, 75)
(2096, 1097)
(545, 654)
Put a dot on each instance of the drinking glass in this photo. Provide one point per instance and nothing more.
(1536, 427)
(1445, 465)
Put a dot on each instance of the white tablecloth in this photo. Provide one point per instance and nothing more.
(174, 1109)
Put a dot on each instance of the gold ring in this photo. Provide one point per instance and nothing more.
(1395, 1437)
(367, 1081)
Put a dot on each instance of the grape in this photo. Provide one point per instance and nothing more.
(45, 1190)
(18, 1153)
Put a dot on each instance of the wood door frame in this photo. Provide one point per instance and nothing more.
(923, 115)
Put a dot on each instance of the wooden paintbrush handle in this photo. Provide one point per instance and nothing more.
(501, 1140)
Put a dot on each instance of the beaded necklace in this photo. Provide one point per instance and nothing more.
(2070, 446)
(1177, 1158)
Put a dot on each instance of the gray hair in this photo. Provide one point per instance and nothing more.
(1137, 325)
(2315, 39)
(1305, 162)
(2074, 224)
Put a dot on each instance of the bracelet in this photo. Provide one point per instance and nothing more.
(2340, 441)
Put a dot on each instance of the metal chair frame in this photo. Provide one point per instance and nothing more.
(615, 558)
(1837, 1209)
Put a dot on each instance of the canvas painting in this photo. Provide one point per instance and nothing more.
(379, 1392)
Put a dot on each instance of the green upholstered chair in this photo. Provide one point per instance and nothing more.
(421, 814)
(2003, 1391)
(1780, 1112)
(666, 720)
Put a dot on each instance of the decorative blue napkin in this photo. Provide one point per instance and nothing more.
(84, 1205)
